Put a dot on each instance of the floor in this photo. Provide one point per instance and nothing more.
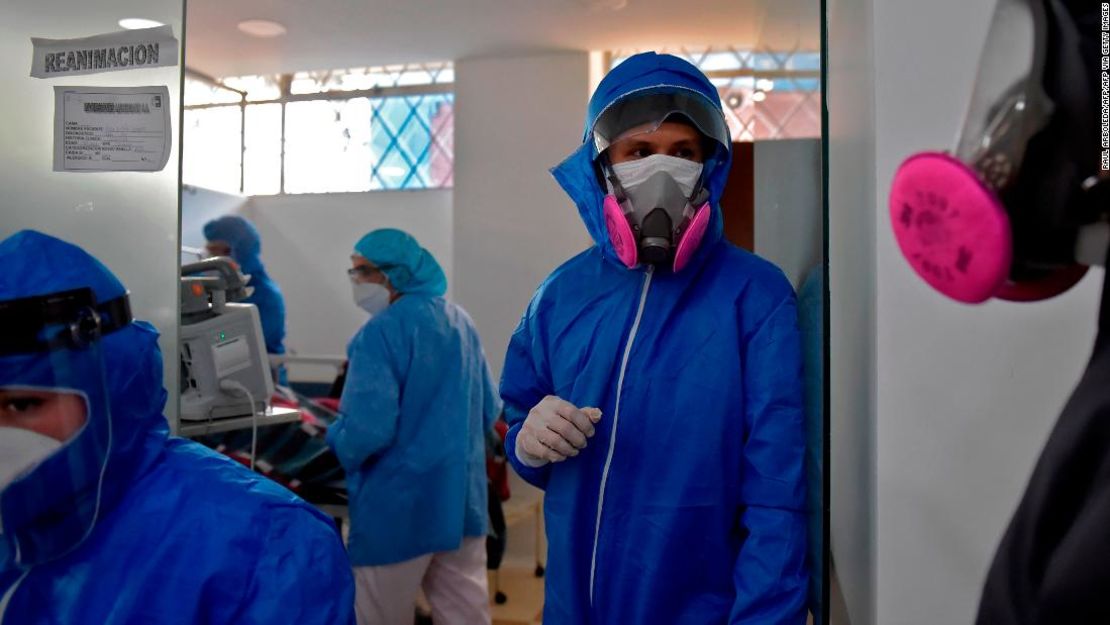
(523, 590)
(524, 597)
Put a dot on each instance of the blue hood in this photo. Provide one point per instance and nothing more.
(657, 73)
(242, 236)
(52, 509)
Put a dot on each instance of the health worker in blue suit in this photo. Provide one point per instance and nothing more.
(416, 408)
(235, 236)
(654, 384)
(106, 518)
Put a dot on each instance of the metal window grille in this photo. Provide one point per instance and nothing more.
(767, 94)
(362, 129)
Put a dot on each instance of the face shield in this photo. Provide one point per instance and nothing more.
(657, 210)
(998, 215)
(53, 396)
(642, 113)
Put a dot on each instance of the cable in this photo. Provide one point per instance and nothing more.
(232, 385)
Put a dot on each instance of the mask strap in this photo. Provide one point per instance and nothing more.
(699, 195)
(611, 177)
(699, 186)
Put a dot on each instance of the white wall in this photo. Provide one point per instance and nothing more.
(307, 245)
(851, 135)
(199, 206)
(965, 395)
(514, 119)
(788, 214)
(126, 219)
(938, 417)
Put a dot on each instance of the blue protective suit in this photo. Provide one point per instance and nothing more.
(415, 410)
(698, 514)
(246, 249)
(127, 525)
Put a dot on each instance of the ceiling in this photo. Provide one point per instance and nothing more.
(332, 34)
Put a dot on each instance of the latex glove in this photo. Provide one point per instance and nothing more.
(553, 431)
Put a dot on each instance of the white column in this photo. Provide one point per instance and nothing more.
(515, 117)
(851, 134)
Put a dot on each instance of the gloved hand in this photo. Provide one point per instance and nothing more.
(553, 431)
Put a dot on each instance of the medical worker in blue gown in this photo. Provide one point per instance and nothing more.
(106, 519)
(235, 236)
(415, 410)
(653, 386)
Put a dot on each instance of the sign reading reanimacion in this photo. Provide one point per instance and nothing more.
(129, 49)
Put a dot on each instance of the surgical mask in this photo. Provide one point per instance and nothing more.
(22, 450)
(370, 296)
(1003, 213)
(650, 211)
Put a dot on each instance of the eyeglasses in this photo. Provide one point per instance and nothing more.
(361, 272)
(365, 272)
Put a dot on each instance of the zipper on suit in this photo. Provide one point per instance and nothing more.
(616, 421)
(7, 598)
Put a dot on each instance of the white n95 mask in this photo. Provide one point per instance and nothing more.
(22, 450)
(370, 296)
(633, 174)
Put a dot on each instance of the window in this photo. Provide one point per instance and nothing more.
(363, 129)
(365, 78)
(328, 146)
(767, 94)
(212, 148)
(262, 150)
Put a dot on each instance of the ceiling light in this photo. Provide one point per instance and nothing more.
(764, 84)
(137, 23)
(261, 28)
(393, 171)
(759, 96)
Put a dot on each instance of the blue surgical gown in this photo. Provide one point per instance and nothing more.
(246, 249)
(415, 410)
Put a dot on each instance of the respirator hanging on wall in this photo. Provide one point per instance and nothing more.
(1003, 214)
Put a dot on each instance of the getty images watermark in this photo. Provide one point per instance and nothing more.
(1104, 98)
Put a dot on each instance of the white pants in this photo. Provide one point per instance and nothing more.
(454, 582)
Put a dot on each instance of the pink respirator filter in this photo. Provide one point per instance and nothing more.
(950, 227)
(620, 232)
(691, 239)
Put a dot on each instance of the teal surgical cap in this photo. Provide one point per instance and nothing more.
(409, 267)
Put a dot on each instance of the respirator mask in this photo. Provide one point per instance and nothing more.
(657, 209)
(1002, 214)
